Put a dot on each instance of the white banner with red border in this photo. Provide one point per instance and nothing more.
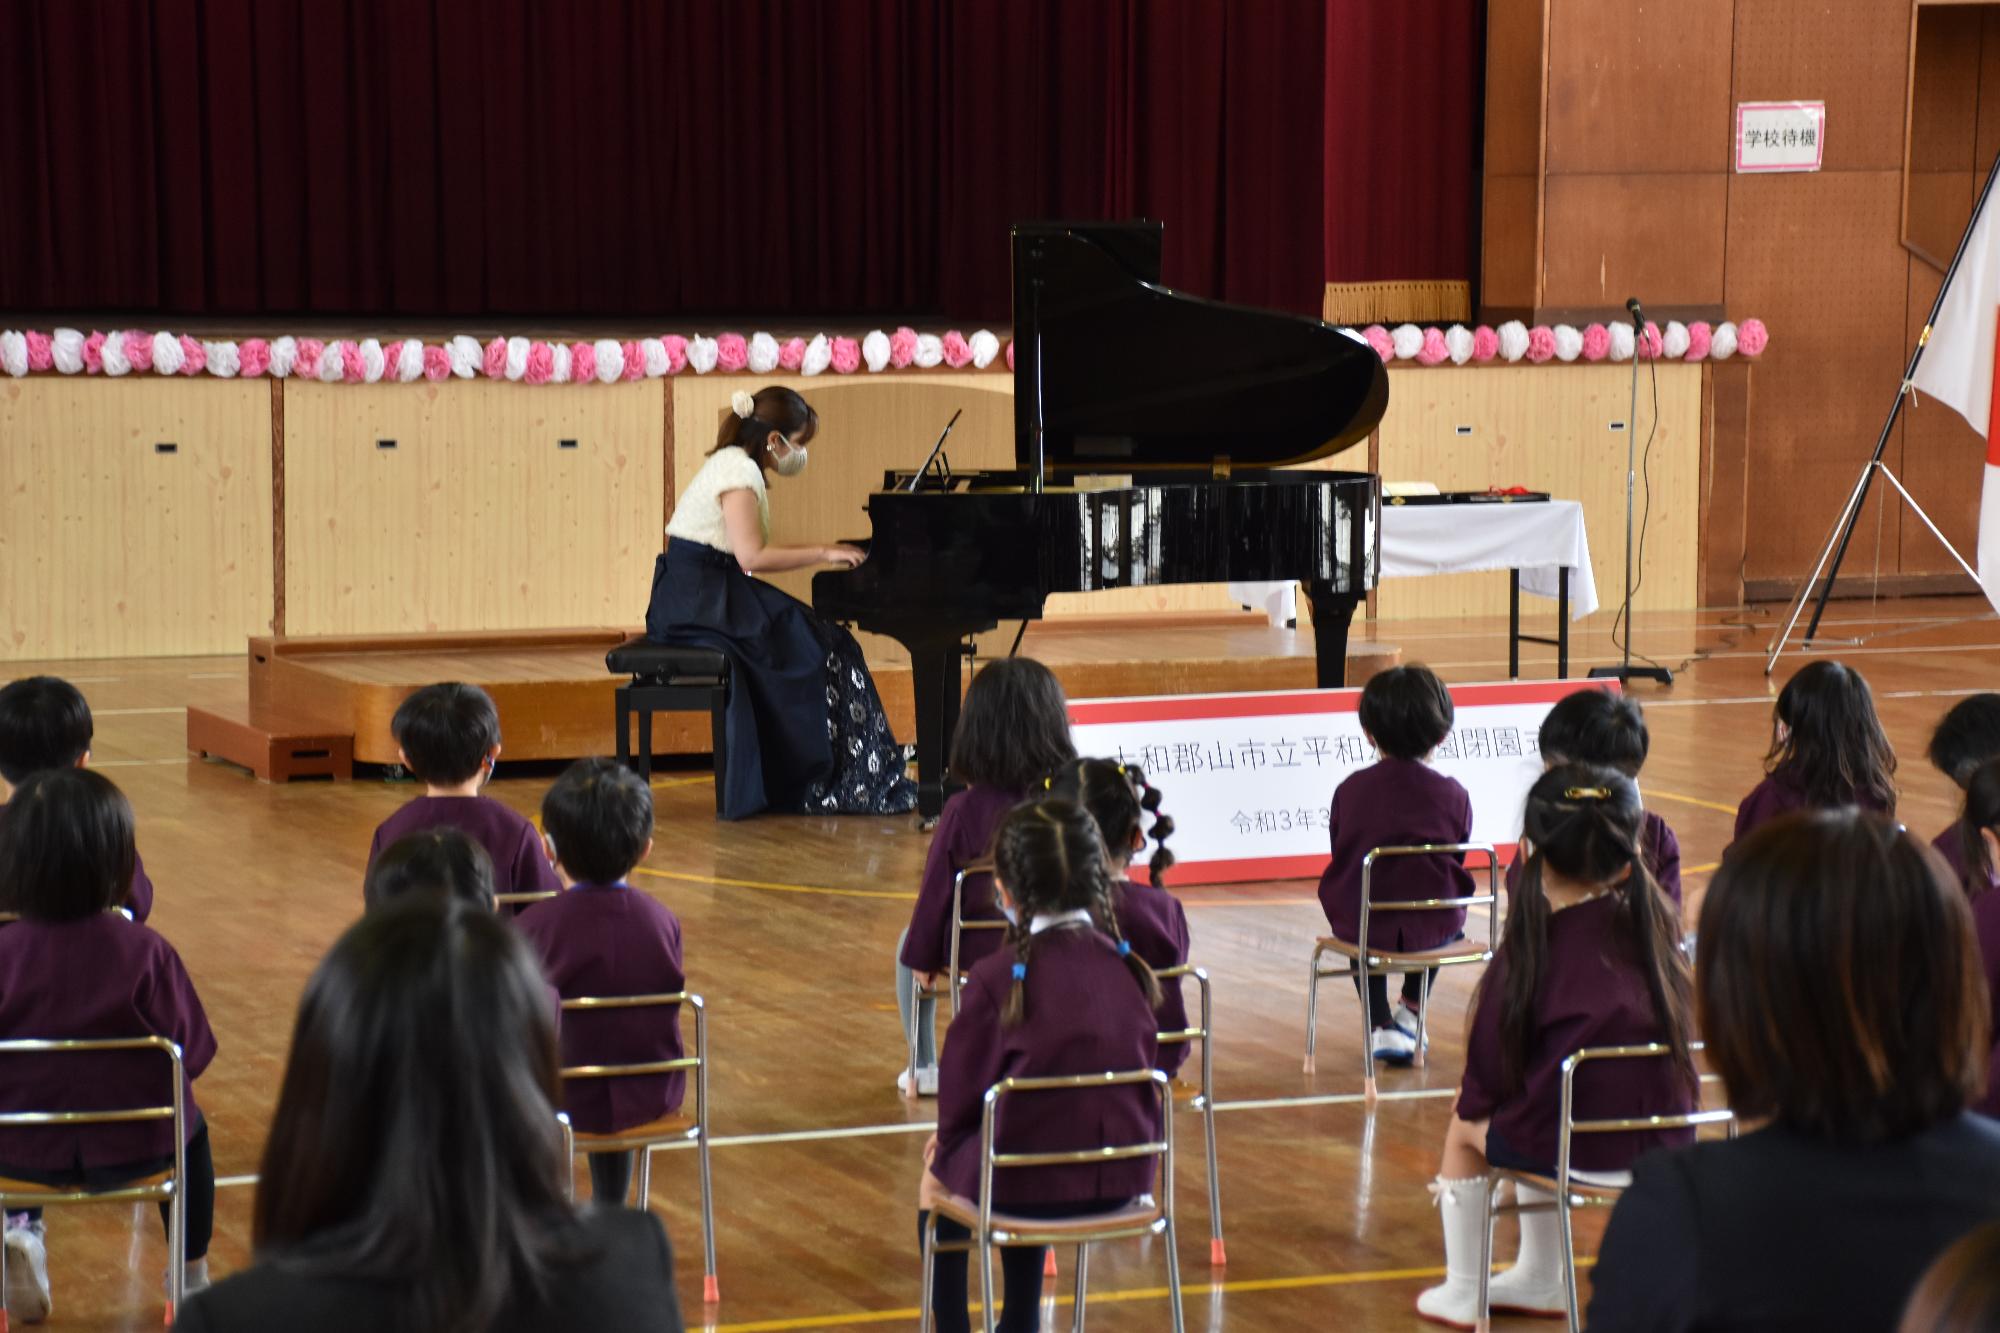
(1249, 778)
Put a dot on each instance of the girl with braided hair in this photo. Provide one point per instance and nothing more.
(1127, 811)
(1063, 997)
(1590, 957)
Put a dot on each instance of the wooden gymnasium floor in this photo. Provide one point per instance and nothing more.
(790, 924)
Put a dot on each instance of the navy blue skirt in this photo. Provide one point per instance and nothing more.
(806, 732)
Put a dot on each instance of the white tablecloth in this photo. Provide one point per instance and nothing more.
(1539, 538)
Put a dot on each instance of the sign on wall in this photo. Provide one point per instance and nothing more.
(1249, 778)
(1780, 136)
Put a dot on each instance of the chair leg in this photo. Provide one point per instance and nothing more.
(985, 1243)
(1568, 1242)
(645, 755)
(176, 1248)
(1367, 1031)
(3, 1272)
(1082, 1282)
(711, 1288)
(645, 1173)
(1484, 1316)
(718, 736)
(924, 1320)
(1174, 1277)
(1312, 1007)
(624, 725)
(1217, 1255)
(1423, 1014)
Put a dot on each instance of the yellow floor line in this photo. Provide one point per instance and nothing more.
(1650, 792)
(1700, 869)
(814, 889)
(705, 780)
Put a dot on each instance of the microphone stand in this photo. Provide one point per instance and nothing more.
(1625, 671)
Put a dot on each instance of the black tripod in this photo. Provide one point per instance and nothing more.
(1625, 671)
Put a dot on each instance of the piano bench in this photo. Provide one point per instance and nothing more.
(668, 678)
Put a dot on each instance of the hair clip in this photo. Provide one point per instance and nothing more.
(1020, 971)
(1048, 784)
(1587, 794)
(1124, 947)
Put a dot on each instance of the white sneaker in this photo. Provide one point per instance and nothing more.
(927, 1076)
(1405, 1019)
(1520, 1293)
(1394, 1045)
(27, 1274)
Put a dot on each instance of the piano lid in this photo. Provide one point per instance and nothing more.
(1129, 374)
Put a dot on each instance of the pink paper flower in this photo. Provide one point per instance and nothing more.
(1700, 337)
(957, 352)
(1010, 354)
(1433, 351)
(41, 353)
(1379, 339)
(1751, 337)
(495, 365)
(1648, 346)
(391, 354)
(1596, 342)
(1541, 343)
(902, 347)
(1485, 343)
(582, 363)
(846, 355)
(351, 368)
(93, 353)
(194, 357)
(732, 352)
(139, 350)
(305, 362)
(635, 359)
(437, 363)
(253, 357)
(792, 354)
(541, 363)
(677, 353)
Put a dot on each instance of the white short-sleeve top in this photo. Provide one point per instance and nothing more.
(698, 514)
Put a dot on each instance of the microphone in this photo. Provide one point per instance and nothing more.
(1638, 315)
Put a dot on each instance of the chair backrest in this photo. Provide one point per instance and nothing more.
(524, 899)
(960, 922)
(1200, 1031)
(173, 1110)
(1489, 899)
(1652, 1050)
(697, 1063)
(1161, 1148)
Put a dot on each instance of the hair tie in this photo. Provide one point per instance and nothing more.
(1048, 784)
(1124, 947)
(1020, 971)
(742, 404)
(1587, 794)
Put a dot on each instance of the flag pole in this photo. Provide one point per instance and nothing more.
(1836, 546)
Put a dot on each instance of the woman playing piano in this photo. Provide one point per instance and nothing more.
(805, 733)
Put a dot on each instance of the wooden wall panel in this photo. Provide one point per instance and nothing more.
(1638, 88)
(111, 549)
(478, 519)
(1725, 481)
(1852, 56)
(1516, 71)
(1656, 236)
(1944, 115)
(1510, 243)
(1938, 456)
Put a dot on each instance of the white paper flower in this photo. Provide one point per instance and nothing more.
(14, 352)
(372, 364)
(517, 359)
(113, 353)
(167, 356)
(655, 353)
(763, 353)
(1513, 340)
(284, 351)
(875, 350)
(1458, 344)
(1407, 339)
(985, 348)
(1569, 342)
(1721, 344)
(1623, 342)
(223, 358)
(410, 361)
(67, 349)
(610, 361)
(466, 356)
(559, 371)
(1674, 340)
(930, 351)
(332, 365)
(819, 354)
(702, 353)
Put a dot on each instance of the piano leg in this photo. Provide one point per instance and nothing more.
(1332, 613)
(934, 673)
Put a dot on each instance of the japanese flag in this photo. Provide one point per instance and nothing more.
(1958, 370)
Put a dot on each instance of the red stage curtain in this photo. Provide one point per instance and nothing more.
(632, 157)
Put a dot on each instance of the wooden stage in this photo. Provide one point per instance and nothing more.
(791, 927)
(315, 704)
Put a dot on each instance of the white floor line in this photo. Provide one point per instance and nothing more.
(1335, 1099)
(217, 675)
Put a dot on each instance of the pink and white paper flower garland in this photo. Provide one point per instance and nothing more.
(1515, 341)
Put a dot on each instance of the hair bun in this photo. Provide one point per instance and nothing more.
(742, 403)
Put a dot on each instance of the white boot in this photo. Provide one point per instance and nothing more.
(1534, 1285)
(1461, 1207)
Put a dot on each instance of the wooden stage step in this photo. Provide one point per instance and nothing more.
(556, 699)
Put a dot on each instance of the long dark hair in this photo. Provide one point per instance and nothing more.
(65, 846)
(415, 1138)
(1013, 729)
(1119, 799)
(1583, 822)
(777, 409)
(1981, 812)
(1967, 736)
(1960, 1292)
(1050, 859)
(1827, 742)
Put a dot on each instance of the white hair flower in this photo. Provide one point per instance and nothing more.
(742, 404)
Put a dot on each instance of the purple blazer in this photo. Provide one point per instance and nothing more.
(1778, 795)
(139, 899)
(1084, 1015)
(1397, 803)
(1155, 924)
(1986, 926)
(1592, 994)
(519, 864)
(100, 977)
(964, 834)
(1657, 844)
(612, 940)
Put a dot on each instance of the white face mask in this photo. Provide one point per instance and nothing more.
(791, 462)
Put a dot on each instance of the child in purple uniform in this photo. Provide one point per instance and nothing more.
(74, 968)
(1067, 996)
(440, 861)
(1013, 731)
(604, 937)
(1966, 739)
(448, 736)
(1117, 796)
(1827, 749)
(1977, 835)
(44, 724)
(1399, 801)
(1591, 957)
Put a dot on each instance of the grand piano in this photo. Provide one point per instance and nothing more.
(1151, 434)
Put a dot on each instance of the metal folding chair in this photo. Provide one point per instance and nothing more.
(960, 923)
(1200, 1096)
(678, 1130)
(1363, 962)
(1586, 1190)
(162, 1186)
(528, 899)
(1145, 1216)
